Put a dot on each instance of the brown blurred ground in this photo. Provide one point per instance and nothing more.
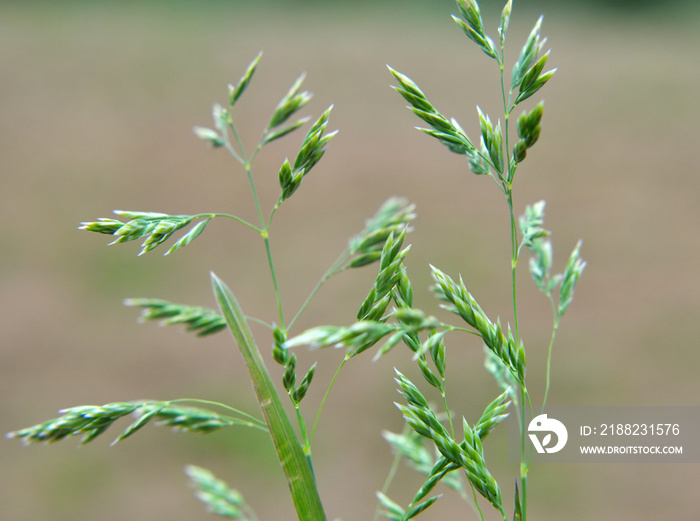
(96, 108)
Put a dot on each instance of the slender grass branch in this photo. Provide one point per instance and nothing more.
(263, 229)
(325, 396)
(306, 445)
(230, 216)
(278, 297)
(555, 328)
(334, 269)
(396, 461)
(475, 502)
(514, 262)
(254, 422)
(244, 160)
(443, 394)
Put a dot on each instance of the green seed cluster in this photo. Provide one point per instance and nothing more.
(468, 455)
(156, 227)
(91, 420)
(462, 303)
(87, 420)
(310, 153)
(189, 419)
(221, 500)
(392, 218)
(281, 355)
(204, 321)
(535, 240)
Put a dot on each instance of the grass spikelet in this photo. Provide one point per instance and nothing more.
(221, 500)
(446, 131)
(242, 85)
(156, 227)
(87, 420)
(204, 321)
(494, 414)
(463, 304)
(392, 217)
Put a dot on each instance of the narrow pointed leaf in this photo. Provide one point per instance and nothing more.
(291, 456)
(518, 513)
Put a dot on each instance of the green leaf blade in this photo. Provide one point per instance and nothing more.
(291, 456)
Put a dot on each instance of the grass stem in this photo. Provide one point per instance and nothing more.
(325, 396)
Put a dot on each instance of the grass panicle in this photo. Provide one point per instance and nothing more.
(494, 414)
(360, 336)
(292, 102)
(473, 26)
(90, 421)
(529, 128)
(431, 443)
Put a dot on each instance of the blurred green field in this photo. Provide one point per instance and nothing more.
(97, 101)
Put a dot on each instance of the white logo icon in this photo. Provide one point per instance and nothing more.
(549, 425)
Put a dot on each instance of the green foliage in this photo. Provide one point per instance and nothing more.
(387, 317)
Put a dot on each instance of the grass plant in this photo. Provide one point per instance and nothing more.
(436, 442)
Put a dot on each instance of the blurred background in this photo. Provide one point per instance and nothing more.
(97, 101)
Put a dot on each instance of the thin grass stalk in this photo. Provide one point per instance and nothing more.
(263, 230)
(509, 174)
(555, 328)
(325, 396)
